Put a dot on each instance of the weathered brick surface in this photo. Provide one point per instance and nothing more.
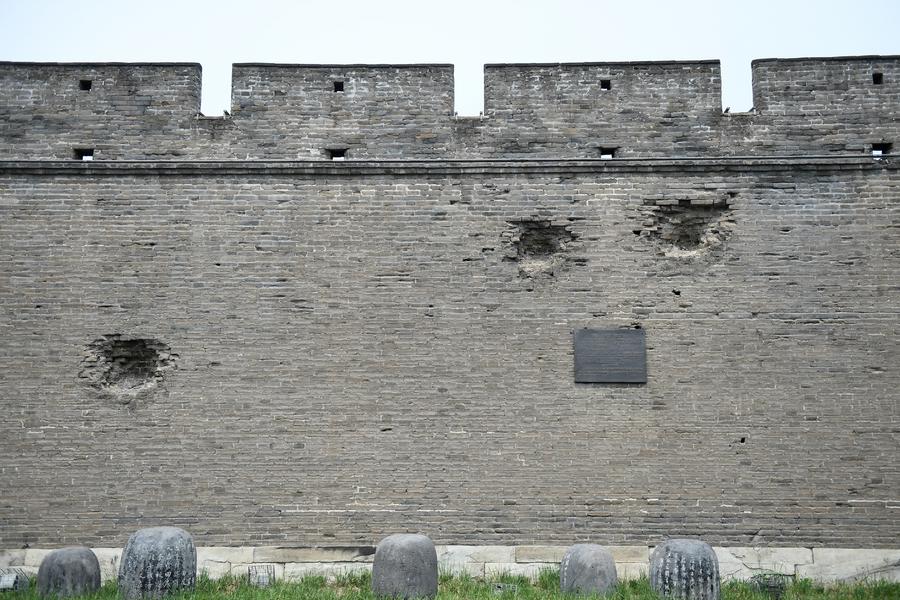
(831, 105)
(651, 109)
(293, 111)
(358, 352)
(131, 110)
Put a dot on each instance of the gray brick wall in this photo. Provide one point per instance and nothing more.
(285, 350)
(130, 111)
(293, 111)
(804, 107)
(650, 109)
(359, 350)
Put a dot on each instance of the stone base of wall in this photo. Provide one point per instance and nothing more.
(818, 564)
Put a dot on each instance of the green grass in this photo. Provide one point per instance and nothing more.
(356, 586)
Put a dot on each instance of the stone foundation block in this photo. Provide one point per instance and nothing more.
(743, 562)
(216, 562)
(836, 564)
(282, 554)
(35, 556)
(631, 571)
(541, 554)
(12, 558)
(329, 570)
(243, 569)
(630, 554)
(529, 570)
(477, 554)
(109, 563)
(237, 554)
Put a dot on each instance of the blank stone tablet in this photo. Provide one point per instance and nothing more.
(610, 356)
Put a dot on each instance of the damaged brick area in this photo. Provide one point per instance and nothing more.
(539, 247)
(686, 226)
(127, 369)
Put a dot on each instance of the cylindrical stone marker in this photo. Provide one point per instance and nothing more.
(587, 569)
(67, 572)
(685, 569)
(157, 561)
(405, 567)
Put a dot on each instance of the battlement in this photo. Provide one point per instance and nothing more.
(616, 88)
(811, 86)
(567, 110)
(127, 89)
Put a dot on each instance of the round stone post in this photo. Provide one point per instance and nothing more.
(587, 569)
(405, 567)
(685, 569)
(157, 561)
(67, 572)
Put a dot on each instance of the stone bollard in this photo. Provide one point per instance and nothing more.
(587, 569)
(405, 567)
(157, 561)
(68, 572)
(686, 569)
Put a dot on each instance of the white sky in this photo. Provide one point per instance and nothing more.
(462, 32)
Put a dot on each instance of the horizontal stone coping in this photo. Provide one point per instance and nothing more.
(447, 167)
(332, 66)
(859, 57)
(851, 58)
(18, 63)
(615, 63)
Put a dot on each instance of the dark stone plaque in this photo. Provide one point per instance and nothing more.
(610, 356)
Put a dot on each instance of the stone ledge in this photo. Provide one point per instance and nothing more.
(109, 562)
(296, 571)
(318, 168)
(235, 554)
(743, 563)
(475, 554)
(241, 570)
(34, 556)
(544, 554)
(819, 564)
(837, 564)
(12, 558)
(288, 554)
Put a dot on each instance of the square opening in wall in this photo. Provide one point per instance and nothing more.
(608, 153)
(85, 85)
(877, 78)
(882, 149)
(83, 153)
(339, 86)
(605, 84)
(336, 153)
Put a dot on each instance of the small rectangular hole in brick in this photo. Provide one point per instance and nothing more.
(339, 86)
(85, 85)
(84, 153)
(605, 84)
(882, 149)
(336, 153)
(608, 153)
(878, 78)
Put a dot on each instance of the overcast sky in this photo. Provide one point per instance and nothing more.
(463, 32)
